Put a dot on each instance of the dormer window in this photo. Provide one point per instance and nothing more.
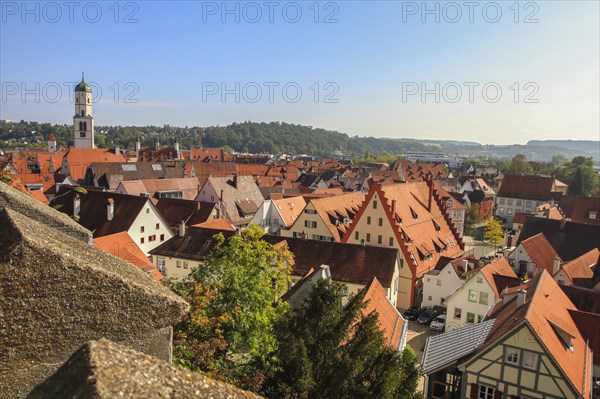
(449, 203)
(413, 213)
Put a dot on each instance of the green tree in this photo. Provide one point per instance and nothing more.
(472, 218)
(519, 164)
(583, 179)
(494, 233)
(327, 350)
(232, 297)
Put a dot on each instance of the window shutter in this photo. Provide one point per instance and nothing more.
(473, 391)
(497, 394)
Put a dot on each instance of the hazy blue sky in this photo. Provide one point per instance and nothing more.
(361, 66)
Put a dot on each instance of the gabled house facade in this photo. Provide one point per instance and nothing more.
(530, 346)
(533, 254)
(276, 214)
(326, 219)
(411, 218)
(523, 193)
(238, 197)
(105, 213)
(472, 301)
(447, 277)
(534, 349)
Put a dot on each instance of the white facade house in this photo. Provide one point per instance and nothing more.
(274, 215)
(471, 301)
(439, 283)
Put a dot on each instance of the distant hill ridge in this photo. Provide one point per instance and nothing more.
(282, 137)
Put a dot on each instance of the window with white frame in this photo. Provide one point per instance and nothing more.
(470, 317)
(472, 296)
(486, 392)
(178, 264)
(530, 360)
(512, 356)
(483, 298)
(457, 313)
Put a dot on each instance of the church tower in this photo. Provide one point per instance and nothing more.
(83, 122)
(51, 143)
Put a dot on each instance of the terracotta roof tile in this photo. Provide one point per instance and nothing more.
(422, 230)
(540, 252)
(500, 275)
(78, 159)
(123, 246)
(350, 263)
(545, 309)
(187, 185)
(526, 186)
(335, 208)
(569, 239)
(580, 270)
(216, 224)
(290, 208)
(390, 320)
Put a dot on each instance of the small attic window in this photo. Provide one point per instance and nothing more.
(449, 203)
(593, 214)
(413, 213)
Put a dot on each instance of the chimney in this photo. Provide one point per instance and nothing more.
(555, 265)
(563, 223)
(110, 209)
(76, 205)
(181, 232)
(547, 213)
(221, 197)
(394, 206)
(177, 150)
(138, 146)
(235, 180)
(430, 199)
(521, 297)
(117, 150)
(466, 265)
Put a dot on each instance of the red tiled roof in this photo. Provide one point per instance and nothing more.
(547, 308)
(425, 234)
(335, 208)
(187, 185)
(500, 275)
(352, 263)
(216, 224)
(123, 246)
(79, 159)
(525, 186)
(390, 320)
(290, 208)
(540, 252)
(579, 270)
(39, 195)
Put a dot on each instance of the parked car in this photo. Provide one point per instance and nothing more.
(438, 323)
(427, 316)
(412, 313)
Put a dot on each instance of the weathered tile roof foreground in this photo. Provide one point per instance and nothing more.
(58, 291)
(444, 349)
(104, 370)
